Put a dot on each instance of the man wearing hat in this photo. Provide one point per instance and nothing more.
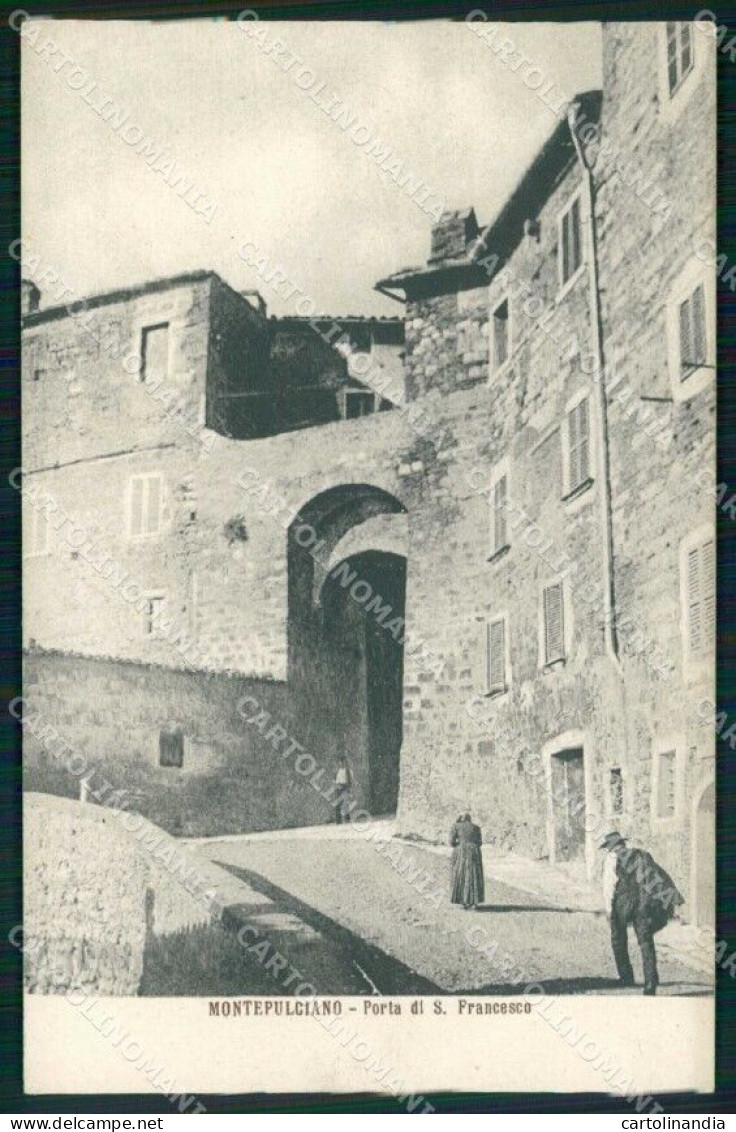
(638, 891)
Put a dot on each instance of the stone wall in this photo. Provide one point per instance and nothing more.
(82, 396)
(111, 715)
(221, 558)
(662, 490)
(464, 750)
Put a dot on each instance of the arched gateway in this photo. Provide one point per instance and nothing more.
(347, 587)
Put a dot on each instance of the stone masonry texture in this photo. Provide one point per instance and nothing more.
(413, 482)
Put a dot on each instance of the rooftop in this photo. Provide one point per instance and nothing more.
(462, 270)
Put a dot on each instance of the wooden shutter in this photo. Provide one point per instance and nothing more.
(708, 590)
(499, 514)
(694, 612)
(578, 445)
(685, 339)
(554, 629)
(697, 323)
(482, 666)
(575, 242)
(672, 52)
(497, 656)
(136, 505)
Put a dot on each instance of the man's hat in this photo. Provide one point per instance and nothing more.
(611, 840)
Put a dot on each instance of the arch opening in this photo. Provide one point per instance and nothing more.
(345, 633)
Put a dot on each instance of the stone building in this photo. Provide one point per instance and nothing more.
(472, 547)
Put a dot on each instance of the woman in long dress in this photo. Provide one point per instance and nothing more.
(468, 887)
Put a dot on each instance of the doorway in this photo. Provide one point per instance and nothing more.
(568, 805)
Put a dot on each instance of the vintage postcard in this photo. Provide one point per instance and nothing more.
(368, 485)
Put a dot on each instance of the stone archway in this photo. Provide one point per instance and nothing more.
(347, 584)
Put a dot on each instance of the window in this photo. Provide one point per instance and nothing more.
(690, 326)
(496, 680)
(693, 341)
(578, 446)
(171, 749)
(554, 625)
(616, 790)
(570, 242)
(359, 403)
(700, 596)
(679, 54)
(498, 515)
(153, 611)
(501, 334)
(155, 353)
(39, 540)
(666, 777)
(145, 499)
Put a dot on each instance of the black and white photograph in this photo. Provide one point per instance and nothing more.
(369, 538)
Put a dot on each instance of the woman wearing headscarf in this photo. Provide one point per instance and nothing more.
(468, 887)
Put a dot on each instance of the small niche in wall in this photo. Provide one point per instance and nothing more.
(236, 530)
(171, 749)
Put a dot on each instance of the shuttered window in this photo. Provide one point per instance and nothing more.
(570, 248)
(155, 353)
(500, 527)
(693, 341)
(146, 497)
(496, 645)
(679, 54)
(666, 784)
(554, 625)
(501, 340)
(701, 597)
(578, 445)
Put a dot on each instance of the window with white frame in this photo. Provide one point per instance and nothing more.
(570, 241)
(501, 334)
(577, 456)
(496, 667)
(499, 517)
(145, 505)
(153, 612)
(666, 784)
(553, 626)
(690, 324)
(155, 353)
(680, 54)
(699, 564)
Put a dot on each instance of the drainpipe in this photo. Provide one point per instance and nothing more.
(604, 463)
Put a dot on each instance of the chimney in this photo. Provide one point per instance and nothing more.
(30, 297)
(255, 298)
(452, 235)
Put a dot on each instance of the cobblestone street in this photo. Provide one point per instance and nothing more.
(346, 885)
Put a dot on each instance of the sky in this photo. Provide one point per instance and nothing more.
(280, 173)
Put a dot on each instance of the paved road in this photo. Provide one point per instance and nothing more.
(401, 942)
